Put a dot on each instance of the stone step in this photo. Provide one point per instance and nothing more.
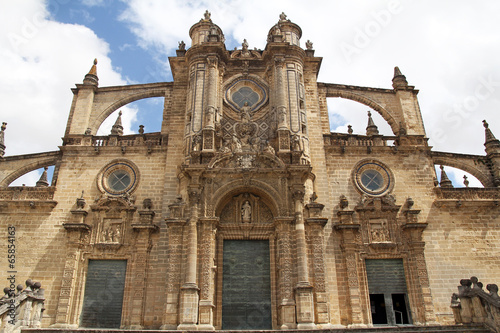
(472, 328)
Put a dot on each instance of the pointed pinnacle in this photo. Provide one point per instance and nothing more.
(93, 69)
(445, 181)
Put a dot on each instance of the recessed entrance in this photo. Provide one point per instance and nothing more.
(246, 286)
(102, 303)
(388, 296)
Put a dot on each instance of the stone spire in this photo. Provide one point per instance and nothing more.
(43, 182)
(117, 128)
(489, 137)
(399, 80)
(2, 139)
(91, 77)
(371, 129)
(445, 181)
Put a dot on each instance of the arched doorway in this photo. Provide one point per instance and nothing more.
(246, 253)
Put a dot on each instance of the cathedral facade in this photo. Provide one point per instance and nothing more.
(245, 211)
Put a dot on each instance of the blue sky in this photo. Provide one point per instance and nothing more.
(448, 49)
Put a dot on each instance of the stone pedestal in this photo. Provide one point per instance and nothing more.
(188, 315)
(305, 307)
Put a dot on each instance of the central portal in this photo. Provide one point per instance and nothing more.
(246, 286)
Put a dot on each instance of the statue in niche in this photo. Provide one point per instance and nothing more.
(246, 212)
(296, 143)
(196, 143)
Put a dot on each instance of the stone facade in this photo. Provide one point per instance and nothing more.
(245, 153)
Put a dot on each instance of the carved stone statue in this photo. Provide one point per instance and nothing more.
(182, 45)
(246, 212)
(296, 143)
(235, 145)
(2, 130)
(196, 143)
(207, 15)
(245, 113)
(282, 16)
(309, 45)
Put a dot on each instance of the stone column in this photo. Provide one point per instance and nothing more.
(211, 92)
(420, 290)
(207, 274)
(350, 245)
(188, 316)
(143, 230)
(286, 302)
(281, 111)
(303, 290)
(315, 240)
(77, 237)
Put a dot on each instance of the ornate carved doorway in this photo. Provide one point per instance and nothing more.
(246, 285)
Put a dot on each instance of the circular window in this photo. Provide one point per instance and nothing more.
(373, 178)
(118, 178)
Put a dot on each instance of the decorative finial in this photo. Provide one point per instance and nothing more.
(445, 181)
(80, 202)
(117, 128)
(207, 15)
(43, 182)
(2, 138)
(244, 45)
(399, 80)
(91, 77)
(141, 129)
(343, 202)
(371, 129)
(466, 181)
(349, 129)
(93, 69)
(489, 137)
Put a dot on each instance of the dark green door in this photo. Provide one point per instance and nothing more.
(246, 286)
(102, 303)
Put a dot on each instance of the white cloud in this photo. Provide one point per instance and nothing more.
(40, 60)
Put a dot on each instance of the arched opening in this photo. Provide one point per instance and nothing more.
(457, 177)
(147, 112)
(32, 177)
(245, 252)
(343, 112)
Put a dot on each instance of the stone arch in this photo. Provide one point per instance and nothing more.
(485, 179)
(99, 119)
(368, 102)
(224, 194)
(28, 168)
